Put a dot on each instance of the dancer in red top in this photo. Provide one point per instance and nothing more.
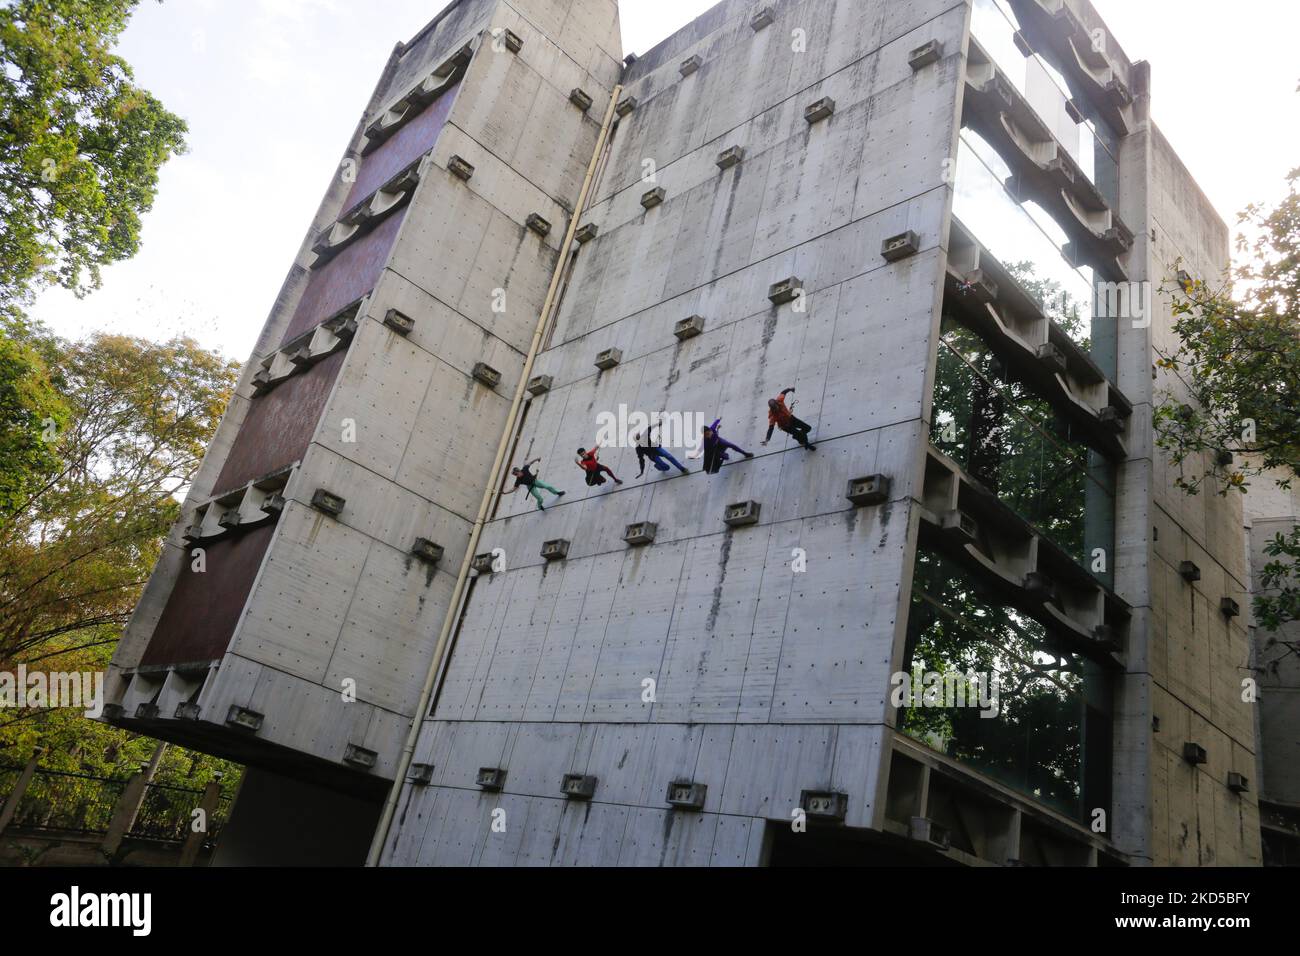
(779, 416)
(586, 460)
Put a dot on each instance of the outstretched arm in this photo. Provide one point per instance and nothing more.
(771, 426)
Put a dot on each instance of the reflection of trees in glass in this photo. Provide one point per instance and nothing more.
(1009, 439)
(1057, 304)
(1035, 744)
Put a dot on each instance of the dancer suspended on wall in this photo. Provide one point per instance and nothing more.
(714, 448)
(595, 471)
(651, 450)
(525, 477)
(779, 415)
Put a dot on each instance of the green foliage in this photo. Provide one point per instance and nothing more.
(31, 413)
(80, 144)
(77, 550)
(1232, 416)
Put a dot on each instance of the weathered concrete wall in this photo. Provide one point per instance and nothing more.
(405, 434)
(767, 681)
(1191, 677)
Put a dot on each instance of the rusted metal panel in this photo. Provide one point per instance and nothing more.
(203, 608)
(413, 140)
(347, 277)
(279, 425)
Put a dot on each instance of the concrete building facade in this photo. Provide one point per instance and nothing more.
(942, 223)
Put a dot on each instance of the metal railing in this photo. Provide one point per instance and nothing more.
(57, 800)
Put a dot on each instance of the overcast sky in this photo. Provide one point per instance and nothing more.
(272, 89)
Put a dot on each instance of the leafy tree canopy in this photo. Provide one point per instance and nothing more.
(80, 145)
(1234, 417)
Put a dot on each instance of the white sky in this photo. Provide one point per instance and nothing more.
(273, 88)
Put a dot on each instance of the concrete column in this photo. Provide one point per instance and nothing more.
(124, 814)
(16, 795)
(194, 841)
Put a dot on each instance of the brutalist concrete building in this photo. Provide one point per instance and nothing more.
(941, 222)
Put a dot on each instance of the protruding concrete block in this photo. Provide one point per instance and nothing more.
(586, 233)
(741, 513)
(241, 718)
(1111, 417)
(625, 106)
(869, 490)
(1104, 636)
(460, 168)
(824, 108)
(1040, 586)
(689, 327)
(328, 502)
(399, 322)
(229, 518)
(555, 550)
(486, 374)
(580, 98)
(261, 381)
(513, 41)
(578, 786)
(421, 774)
(1073, 111)
(731, 156)
(686, 795)
(1022, 43)
(925, 54)
(762, 19)
(961, 526)
(643, 532)
(925, 830)
(900, 246)
(274, 504)
(361, 757)
(187, 710)
(654, 197)
(1223, 458)
(787, 290)
(1228, 607)
(427, 551)
(607, 359)
(146, 710)
(491, 778)
(1237, 782)
(689, 65)
(537, 224)
(1194, 753)
(1052, 358)
(1189, 571)
(483, 563)
(825, 804)
(539, 384)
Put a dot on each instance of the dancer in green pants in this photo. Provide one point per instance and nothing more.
(525, 478)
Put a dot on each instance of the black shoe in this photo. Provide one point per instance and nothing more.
(685, 471)
(749, 454)
(540, 506)
(559, 494)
